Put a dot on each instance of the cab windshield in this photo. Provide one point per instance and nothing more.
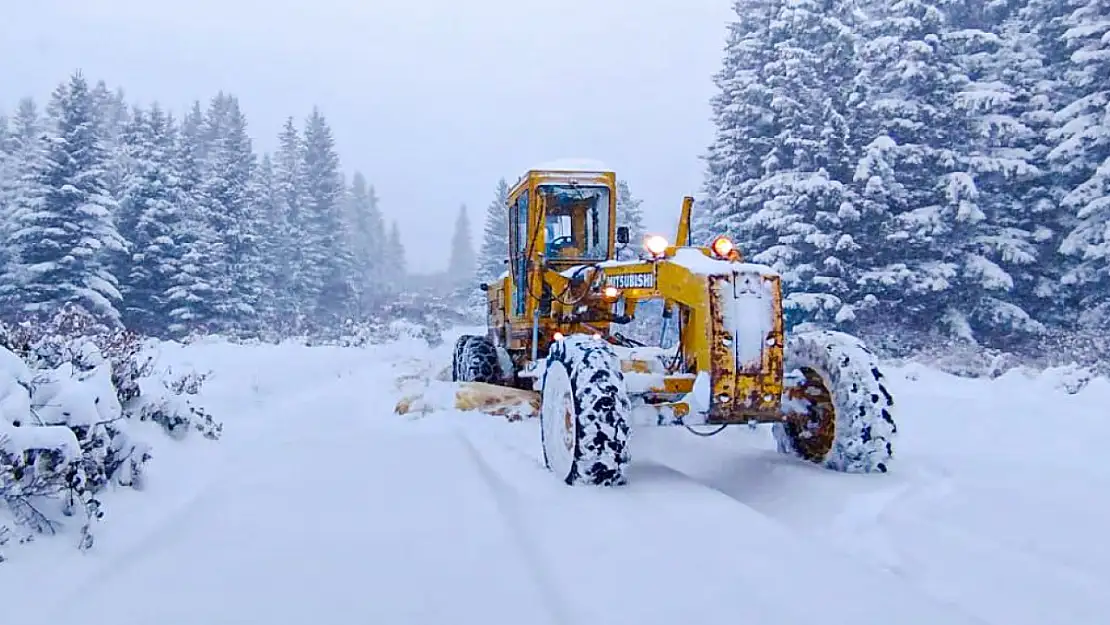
(577, 221)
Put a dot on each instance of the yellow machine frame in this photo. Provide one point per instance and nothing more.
(564, 296)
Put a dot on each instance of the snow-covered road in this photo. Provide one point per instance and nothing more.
(320, 505)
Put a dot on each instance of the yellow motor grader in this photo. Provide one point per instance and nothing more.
(553, 333)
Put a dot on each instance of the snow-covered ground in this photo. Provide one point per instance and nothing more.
(320, 505)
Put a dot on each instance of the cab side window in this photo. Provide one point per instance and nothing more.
(520, 267)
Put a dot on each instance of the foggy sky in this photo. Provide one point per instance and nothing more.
(433, 100)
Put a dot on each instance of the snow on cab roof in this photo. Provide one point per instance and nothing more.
(572, 164)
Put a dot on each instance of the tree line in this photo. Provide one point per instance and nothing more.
(177, 226)
(940, 167)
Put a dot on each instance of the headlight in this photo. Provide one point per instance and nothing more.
(655, 245)
(723, 247)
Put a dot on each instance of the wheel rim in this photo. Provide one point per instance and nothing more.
(557, 417)
(812, 432)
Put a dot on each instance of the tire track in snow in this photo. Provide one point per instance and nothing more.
(912, 562)
(654, 531)
(649, 466)
(508, 506)
(894, 528)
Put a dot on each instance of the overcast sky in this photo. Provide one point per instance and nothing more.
(433, 100)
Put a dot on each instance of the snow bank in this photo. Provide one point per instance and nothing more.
(72, 411)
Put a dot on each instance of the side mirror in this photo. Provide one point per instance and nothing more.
(483, 286)
(622, 235)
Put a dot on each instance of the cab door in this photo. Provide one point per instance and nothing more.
(518, 226)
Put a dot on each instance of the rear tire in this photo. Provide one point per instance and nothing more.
(839, 411)
(584, 413)
(475, 360)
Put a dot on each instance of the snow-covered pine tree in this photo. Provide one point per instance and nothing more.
(701, 226)
(266, 208)
(495, 236)
(293, 280)
(25, 146)
(134, 148)
(630, 215)
(395, 258)
(1009, 102)
(149, 212)
(328, 260)
(462, 262)
(1007, 117)
(226, 200)
(192, 294)
(7, 175)
(1033, 35)
(367, 242)
(803, 191)
(784, 196)
(65, 238)
(214, 127)
(1082, 156)
(111, 112)
(744, 125)
(922, 267)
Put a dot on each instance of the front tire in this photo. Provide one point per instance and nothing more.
(839, 413)
(584, 413)
(475, 360)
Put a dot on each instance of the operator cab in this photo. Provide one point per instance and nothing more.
(564, 212)
(576, 221)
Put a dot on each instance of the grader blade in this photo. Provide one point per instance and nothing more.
(512, 403)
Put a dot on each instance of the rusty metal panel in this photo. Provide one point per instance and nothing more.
(745, 340)
(722, 360)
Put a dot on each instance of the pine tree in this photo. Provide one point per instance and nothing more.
(368, 242)
(1007, 117)
(782, 161)
(293, 282)
(495, 236)
(19, 188)
(808, 204)
(149, 219)
(7, 177)
(111, 113)
(462, 263)
(193, 297)
(65, 238)
(328, 259)
(1033, 36)
(919, 264)
(1082, 157)
(265, 208)
(229, 170)
(744, 121)
(701, 220)
(395, 258)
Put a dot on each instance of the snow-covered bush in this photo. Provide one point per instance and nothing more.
(420, 314)
(1086, 352)
(72, 395)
